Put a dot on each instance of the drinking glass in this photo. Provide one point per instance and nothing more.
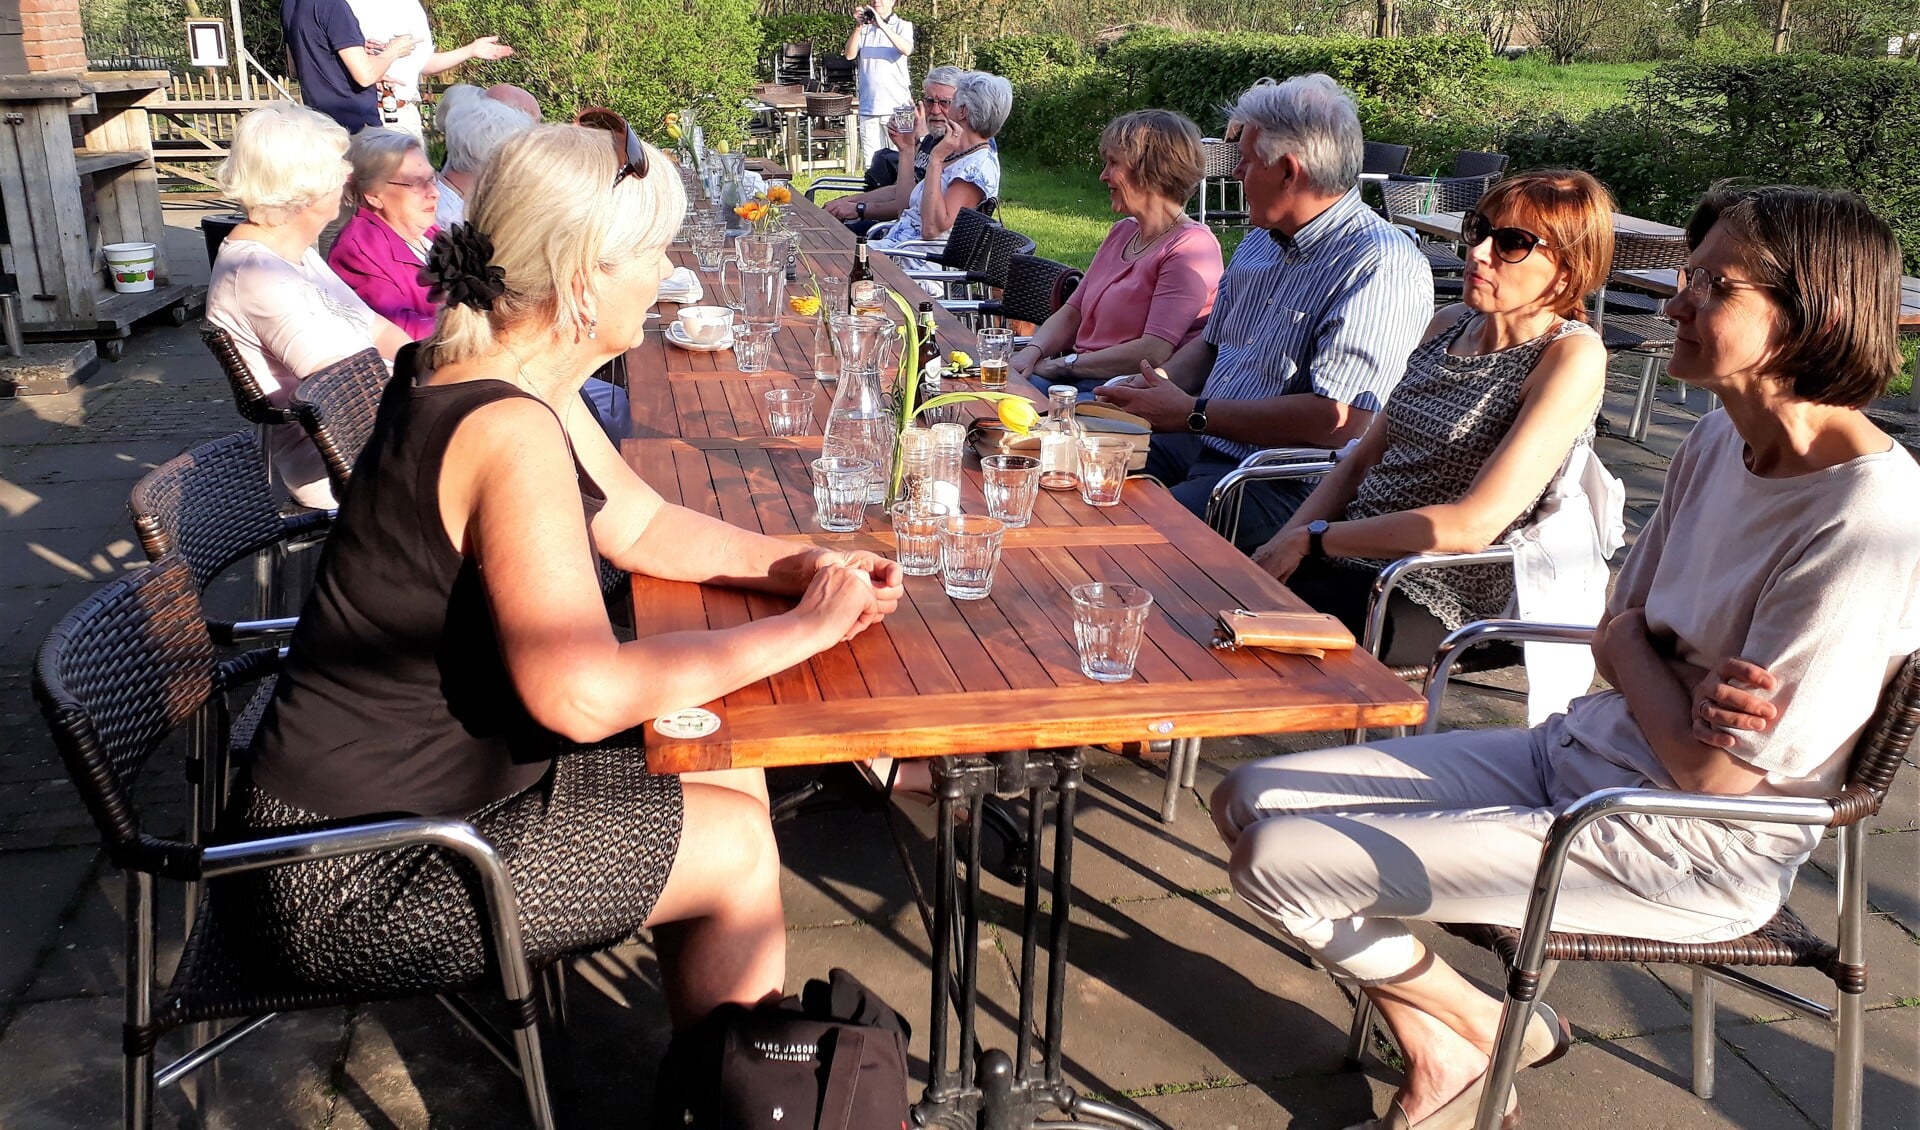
(916, 536)
(1103, 468)
(868, 297)
(840, 492)
(1108, 623)
(709, 243)
(969, 553)
(833, 293)
(996, 346)
(789, 411)
(1012, 484)
(753, 347)
(904, 120)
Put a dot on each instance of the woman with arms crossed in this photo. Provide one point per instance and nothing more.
(1759, 617)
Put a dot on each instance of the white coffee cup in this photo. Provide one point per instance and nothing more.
(706, 325)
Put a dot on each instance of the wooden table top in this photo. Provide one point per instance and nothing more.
(942, 676)
(1446, 225)
(1666, 283)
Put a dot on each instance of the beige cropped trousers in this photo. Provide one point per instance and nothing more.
(1338, 846)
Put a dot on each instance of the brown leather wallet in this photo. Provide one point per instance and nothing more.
(1295, 633)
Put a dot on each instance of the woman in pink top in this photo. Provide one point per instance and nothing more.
(1151, 284)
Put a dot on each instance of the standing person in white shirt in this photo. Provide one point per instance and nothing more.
(881, 41)
(383, 20)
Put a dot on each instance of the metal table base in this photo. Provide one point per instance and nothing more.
(989, 1089)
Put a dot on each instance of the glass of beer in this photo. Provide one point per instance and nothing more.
(868, 297)
(996, 346)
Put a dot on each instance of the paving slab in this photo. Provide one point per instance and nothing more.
(1796, 1056)
(39, 888)
(1893, 873)
(840, 867)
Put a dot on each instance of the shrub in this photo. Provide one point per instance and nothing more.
(642, 58)
(1022, 58)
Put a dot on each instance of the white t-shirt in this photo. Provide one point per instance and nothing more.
(452, 207)
(288, 321)
(980, 167)
(381, 20)
(885, 85)
(1814, 577)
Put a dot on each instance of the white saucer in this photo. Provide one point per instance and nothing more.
(678, 337)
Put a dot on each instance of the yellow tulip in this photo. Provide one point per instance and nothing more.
(960, 359)
(805, 305)
(673, 131)
(1017, 414)
(721, 146)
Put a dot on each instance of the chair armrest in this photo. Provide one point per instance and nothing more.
(1468, 636)
(1224, 501)
(248, 667)
(1389, 578)
(227, 632)
(1288, 455)
(836, 184)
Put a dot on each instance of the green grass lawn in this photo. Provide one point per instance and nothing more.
(1066, 214)
(1576, 90)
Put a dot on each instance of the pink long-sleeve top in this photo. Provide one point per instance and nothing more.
(384, 271)
(1167, 292)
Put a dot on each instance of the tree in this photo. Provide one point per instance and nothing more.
(1567, 28)
(642, 58)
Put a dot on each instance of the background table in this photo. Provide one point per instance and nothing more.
(1446, 225)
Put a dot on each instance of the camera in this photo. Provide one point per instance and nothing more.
(866, 16)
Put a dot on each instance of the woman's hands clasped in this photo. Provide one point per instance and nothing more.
(850, 590)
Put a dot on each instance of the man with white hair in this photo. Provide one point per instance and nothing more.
(892, 180)
(1313, 322)
(475, 127)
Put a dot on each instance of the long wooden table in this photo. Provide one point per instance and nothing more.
(1446, 225)
(956, 680)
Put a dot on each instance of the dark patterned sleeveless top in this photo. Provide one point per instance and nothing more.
(1444, 421)
(395, 697)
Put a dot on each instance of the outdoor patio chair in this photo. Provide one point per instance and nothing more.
(828, 128)
(1529, 955)
(794, 64)
(1474, 163)
(1036, 288)
(1382, 157)
(1404, 196)
(119, 674)
(248, 396)
(1647, 335)
(336, 405)
(1222, 161)
(836, 75)
(996, 271)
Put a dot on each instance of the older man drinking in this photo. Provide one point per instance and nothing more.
(1313, 322)
(893, 179)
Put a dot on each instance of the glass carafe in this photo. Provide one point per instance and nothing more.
(1060, 440)
(859, 424)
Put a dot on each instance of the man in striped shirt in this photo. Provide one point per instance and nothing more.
(1314, 318)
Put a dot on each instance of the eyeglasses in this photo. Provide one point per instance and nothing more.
(1700, 283)
(943, 103)
(627, 148)
(418, 185)
(1511, 245)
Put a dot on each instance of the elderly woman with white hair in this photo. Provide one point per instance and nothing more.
(381, 250)
(456, 646)
(289, 315)
(475, 126)
(965, 167)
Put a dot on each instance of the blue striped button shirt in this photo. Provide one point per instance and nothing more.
(1335, 310)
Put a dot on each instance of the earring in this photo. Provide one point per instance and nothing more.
(593, 328)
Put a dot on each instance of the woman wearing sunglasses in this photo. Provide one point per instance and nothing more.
(1503, 386)
(1760, 615)
(456, 645)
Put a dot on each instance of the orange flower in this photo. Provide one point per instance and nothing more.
(780, 194)
(751, 211)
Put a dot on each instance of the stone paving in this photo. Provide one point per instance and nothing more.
(1179, 1002)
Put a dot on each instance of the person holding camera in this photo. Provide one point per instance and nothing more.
(881, 42)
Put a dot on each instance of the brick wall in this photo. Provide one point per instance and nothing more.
(51, 30)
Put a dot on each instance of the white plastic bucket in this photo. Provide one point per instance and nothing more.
(131, 266)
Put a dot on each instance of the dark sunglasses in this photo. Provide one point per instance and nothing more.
(1511, 245)
(627, 147)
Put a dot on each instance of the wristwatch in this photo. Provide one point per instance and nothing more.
(1317, 530)
(1067, 362)
(860, 210)
(1197, 419)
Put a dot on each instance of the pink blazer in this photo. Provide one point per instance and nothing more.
(372, 259)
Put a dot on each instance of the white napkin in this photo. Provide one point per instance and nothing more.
(682, 287)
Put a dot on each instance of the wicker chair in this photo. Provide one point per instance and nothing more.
(794, 64)
(1646, 334)
(1784, 940)
(1036, 287)
(1474, 163)
(829, 127)
(337, 406)
(1381, 157)
(1223, 160)
(129, 666)
(837, 75)
(1405, 196)
(248, 397)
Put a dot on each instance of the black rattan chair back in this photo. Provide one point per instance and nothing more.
(1405, 196)
(969, 243)
(337, 406)
(1474, 163)
(1883, 746)
(1037, 287)
(1380, 157)
(212, 506)
(1635, 252)
(113, 679)
(836, 73)
(247, 393)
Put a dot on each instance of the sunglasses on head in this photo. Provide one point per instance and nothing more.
(1510, 245)
(627, 148)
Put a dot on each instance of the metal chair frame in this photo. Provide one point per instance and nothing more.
(1222, 160)
(1531, 954)
(107, 726)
